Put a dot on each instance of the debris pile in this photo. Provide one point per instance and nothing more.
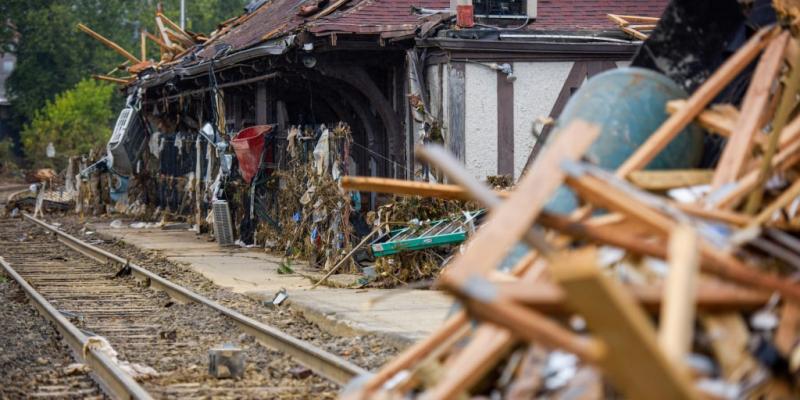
(673, 292)
(314, 215)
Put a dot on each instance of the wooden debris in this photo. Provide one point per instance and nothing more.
(634, 25)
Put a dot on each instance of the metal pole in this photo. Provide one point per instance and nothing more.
(183, 14)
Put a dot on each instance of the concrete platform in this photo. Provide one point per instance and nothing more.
(402, 318)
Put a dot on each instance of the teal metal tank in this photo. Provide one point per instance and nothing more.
(628, 104)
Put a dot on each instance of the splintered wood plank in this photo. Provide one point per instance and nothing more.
(715, 261)
(506, 225)
(719, 119)
(408, 188)
(633, 361)
(490, 343)
(782, 201)
(676, 326)
(670, 179)
(788, 329)
(108, 43)
(729, 337)
(740, 144)
(696, 103)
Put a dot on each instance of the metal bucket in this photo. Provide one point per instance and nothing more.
(628, 104)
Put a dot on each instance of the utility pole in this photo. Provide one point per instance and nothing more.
(183, 14)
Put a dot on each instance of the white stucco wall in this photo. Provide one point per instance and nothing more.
(481, 120)
(535, 92)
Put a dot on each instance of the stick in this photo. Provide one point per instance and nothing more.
(739, 145)
(696, 103)
(677, 309)
(783, 200)
(633, 362)
(108, 43)
(353, 251)
(788, 100)
(110, 79)
(410, 188)
(142, 45)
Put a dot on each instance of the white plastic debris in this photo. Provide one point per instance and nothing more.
(116, 224)
(137, 371)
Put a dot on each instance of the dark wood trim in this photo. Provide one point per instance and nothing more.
(574, 80)
(580, 71)
(261, 104)
(456, 104)
(505, 125)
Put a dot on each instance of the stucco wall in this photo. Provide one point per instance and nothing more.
(481, 120)
(535, 92)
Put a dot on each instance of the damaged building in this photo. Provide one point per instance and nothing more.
(396, 73)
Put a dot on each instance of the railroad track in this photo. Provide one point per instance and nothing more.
(91, 292)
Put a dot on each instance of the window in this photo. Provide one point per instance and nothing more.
(505, 8)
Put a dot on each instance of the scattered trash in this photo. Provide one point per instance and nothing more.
(116, 224)
(280, 297)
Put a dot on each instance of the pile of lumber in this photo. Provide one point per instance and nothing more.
(644, 292)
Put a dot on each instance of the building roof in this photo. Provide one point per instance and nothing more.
(590, 15)
(395, 18)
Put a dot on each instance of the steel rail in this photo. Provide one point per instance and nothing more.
(115, 382)
(320, 361)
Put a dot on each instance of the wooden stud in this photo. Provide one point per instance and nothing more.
(740, 144)
(107, 78)
(696, 103)
(408, 188)
(143, 45)
(657, 180)
(787, 104)
(788, 332)
(782, 201)
(633, 362)
(108, 43)
(504, 226)
(676, 327)
(719, 119)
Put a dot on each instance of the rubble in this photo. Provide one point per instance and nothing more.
(635, 293)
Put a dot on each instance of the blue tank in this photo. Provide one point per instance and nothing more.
(628, 104)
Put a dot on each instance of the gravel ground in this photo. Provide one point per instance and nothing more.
(33, 359)
(144, 326)
(367, 351)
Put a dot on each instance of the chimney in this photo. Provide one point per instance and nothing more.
(464, 13)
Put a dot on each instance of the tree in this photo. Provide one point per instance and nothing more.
(75, 122)
(52, 55)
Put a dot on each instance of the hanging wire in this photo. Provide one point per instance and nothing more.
(381, 156)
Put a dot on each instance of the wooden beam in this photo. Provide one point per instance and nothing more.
(111, 79)
(740, 144)
(176, 28)
(715, 261)
(408, 188)
(782, 201)
(163, 32)
(143, 45)
(658, 180)
(108, 43)
(696, 103)
(676, 327)
(633, 361)
(787, 104)
(719, 119)
(504, 226)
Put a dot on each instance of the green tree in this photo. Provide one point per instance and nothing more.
(52, 55)
(75, 122)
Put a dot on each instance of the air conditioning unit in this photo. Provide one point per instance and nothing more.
(223, 226)
(127, 142)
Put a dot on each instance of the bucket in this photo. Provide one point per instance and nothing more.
(248, 146)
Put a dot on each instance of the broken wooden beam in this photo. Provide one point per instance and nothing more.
(407, 188)
(108, 43)
(658, 180)
(739, 145)
(633, 361)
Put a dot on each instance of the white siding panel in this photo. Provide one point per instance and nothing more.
(481, 120)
